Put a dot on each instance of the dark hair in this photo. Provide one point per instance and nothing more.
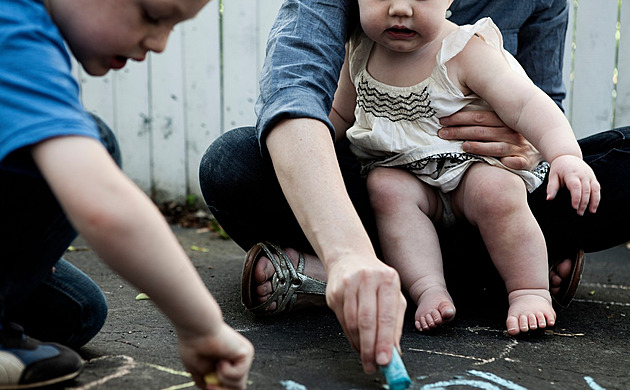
(353, 18)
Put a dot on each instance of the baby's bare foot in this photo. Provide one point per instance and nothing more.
(530, 309)
(264, 271)
(435, 307)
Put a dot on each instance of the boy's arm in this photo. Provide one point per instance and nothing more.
(130, 235)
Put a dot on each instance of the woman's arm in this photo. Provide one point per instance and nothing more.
(305, 54)
(364, 293)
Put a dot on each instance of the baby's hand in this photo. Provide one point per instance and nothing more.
(580, 180)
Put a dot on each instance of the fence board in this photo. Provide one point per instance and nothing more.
(167, 110)
(167, 113)
(567, 62)
(133, 122)
(622, 106)
(594, 63)
(100, 94)
(202, 89)
(240, 62)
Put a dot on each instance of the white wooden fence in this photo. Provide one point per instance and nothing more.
(168, 109)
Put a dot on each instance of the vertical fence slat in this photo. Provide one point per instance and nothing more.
(622, 112)
(567, 63)
(240, 62)
(167, 122)
(202, 88)
(133, 122)
(595, 50)
(97, 95)
(167, 110)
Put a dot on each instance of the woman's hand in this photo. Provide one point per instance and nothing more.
(365, 295)
(485, 134)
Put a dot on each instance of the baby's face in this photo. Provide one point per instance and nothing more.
(104, 34)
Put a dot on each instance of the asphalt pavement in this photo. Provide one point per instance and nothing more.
(589, 348)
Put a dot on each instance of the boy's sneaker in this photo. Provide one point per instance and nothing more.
(27, 363)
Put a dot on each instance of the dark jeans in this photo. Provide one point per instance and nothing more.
(241, 190)
(65, 306)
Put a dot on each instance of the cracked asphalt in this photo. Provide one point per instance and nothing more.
(587, 349)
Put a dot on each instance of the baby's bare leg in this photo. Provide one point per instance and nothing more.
(495, 200)
(404, 206)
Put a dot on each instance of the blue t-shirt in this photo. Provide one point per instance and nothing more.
(39, 98)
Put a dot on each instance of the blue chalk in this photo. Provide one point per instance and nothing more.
(395, 373)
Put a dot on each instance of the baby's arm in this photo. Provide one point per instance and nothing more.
(525, 108)
(129, 234)
(342, 113)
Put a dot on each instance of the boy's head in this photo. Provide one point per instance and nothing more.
(104, 34)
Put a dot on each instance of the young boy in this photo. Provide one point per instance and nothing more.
(54, 162)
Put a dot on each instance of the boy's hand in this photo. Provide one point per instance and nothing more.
(579, 178)
(226, 353)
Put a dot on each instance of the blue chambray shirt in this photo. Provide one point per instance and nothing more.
(306, 48)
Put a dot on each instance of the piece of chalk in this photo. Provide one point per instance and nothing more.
(395, 373)
(211, 379)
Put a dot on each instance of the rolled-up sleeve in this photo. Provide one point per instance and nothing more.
(541, 47)
(305, 52)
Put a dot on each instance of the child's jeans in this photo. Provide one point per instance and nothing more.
(65, 306)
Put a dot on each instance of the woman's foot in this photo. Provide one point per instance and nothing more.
(564, 279)
(558, 274)
(264, 271)
(530, 309)
(435, 306)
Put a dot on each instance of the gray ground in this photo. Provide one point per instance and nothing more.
(587, 349)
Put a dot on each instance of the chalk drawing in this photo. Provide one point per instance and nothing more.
(497, 379)
(186, 385)
(591, 383)
(479, 361)
(605, 285)
(489, 380)
(498, 382)
(291, 385)
(605, 303)
(474, 384)
(128, 364)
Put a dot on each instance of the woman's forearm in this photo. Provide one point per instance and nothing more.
(305, 162)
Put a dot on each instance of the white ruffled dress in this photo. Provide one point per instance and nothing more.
(397, 126)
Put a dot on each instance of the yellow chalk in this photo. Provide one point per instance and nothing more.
(211, 379)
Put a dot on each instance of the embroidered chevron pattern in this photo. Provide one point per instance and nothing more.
(408, 107)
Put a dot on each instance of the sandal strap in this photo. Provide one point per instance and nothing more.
(287, 281)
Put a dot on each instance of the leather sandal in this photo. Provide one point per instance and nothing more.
(286, 282)
(569, 285)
